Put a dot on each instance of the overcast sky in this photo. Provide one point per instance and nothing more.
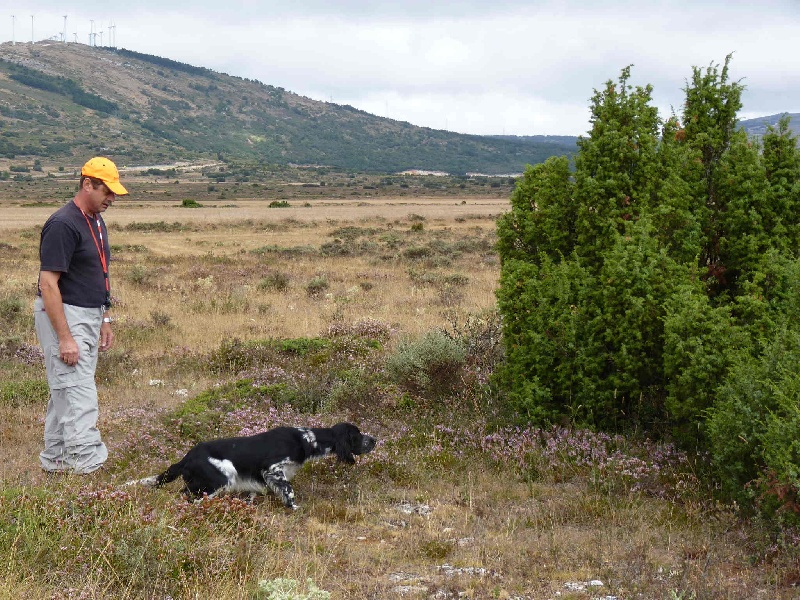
(474, 66)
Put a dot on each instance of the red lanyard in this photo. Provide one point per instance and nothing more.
(100, 247)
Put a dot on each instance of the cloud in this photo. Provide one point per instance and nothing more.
(522, 67)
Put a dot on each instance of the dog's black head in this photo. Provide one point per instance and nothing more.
(349, 441)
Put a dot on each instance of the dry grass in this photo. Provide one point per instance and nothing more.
(204, 255)
(439, 510)
(389, 210)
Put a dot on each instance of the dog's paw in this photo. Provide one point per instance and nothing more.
(147, 481)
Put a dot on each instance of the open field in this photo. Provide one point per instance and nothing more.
(235, 317)
(406, 262)
(310, 197)
(385, 210)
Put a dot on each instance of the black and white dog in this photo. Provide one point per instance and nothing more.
(259, 462)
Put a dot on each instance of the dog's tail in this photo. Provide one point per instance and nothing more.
(171, 474)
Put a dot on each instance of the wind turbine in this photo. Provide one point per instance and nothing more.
(31, 29)
(65, 29)
(13, 21)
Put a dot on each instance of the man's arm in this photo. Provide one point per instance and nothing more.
(54, 307)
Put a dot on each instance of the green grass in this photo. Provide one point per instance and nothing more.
(24, 392)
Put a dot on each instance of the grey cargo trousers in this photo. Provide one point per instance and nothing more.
(71, 438)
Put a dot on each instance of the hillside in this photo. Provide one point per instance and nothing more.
(61, 101)
(758, 126)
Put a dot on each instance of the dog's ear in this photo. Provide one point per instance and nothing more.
(342, 442)
(344, 454)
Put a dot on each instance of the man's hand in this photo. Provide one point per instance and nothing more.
(68, 351)
(106, 337)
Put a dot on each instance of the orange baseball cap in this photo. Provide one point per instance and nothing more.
(103, 169)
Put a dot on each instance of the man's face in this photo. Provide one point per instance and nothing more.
(99, 197)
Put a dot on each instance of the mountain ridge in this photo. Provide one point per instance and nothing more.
(62, 102)
(68, 100)
(757, 126)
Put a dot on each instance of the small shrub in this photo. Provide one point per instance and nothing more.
(423, 278)
(456, 279)
(139, 275)
(189, 203)
(417, 252)
(278, 282)
(337, 248)
(279, 204)
(317, 286)
(430, 366)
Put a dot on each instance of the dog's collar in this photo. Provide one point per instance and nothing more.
(309, 437)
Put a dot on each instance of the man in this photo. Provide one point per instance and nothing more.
(72, 319)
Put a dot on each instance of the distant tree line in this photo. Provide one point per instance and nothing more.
(655, 285)
(165, 62)
(58, 85)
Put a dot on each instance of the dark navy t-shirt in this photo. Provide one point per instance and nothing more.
(67, 246)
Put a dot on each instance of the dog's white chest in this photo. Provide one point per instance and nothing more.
(235, 482)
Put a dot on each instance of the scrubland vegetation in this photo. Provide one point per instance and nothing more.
(258, 319)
